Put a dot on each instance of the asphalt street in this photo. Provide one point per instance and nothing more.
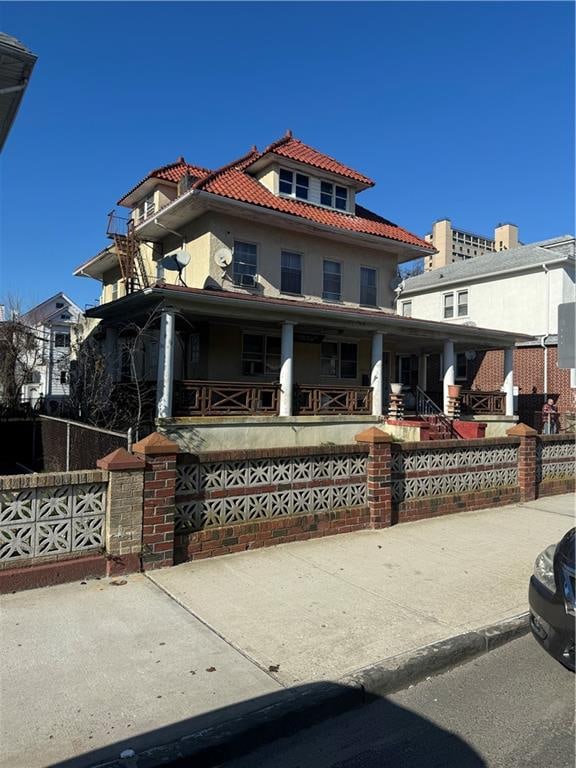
(512, 708)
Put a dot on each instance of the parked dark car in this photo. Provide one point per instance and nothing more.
(552, 599)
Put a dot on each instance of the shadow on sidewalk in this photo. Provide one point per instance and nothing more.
(401, 738)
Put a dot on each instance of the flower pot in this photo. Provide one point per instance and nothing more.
(454, 390)
(396, 389)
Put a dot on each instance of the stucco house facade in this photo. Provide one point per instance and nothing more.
(518, 290)
(268, 292)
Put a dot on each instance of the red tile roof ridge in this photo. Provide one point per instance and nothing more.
(163, 171)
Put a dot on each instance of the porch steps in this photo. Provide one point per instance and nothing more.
(438, 429)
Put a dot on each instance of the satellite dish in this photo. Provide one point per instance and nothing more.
(395, 283)
(223, 257)
(176, 261)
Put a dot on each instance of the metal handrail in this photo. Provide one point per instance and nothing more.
(425, 406)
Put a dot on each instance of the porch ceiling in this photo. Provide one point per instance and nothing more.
(410, 334)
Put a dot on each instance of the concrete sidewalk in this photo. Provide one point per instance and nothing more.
(91, 669)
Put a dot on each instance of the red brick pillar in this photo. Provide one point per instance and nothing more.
(378, 476)
(159, 500)
(526, 460)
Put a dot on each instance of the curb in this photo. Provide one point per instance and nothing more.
(304, 708)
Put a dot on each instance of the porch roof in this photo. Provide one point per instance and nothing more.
(247, 307)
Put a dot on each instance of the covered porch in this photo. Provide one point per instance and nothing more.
(217, 355)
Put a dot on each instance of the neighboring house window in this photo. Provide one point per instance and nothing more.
(65, 316)
(63, 377)
(448, 305)
(368, 286)
(332, 283)
(244, 264)
(62, 340)
(462, 303)
(59, 304)
(407, 308)
(461, 365)
(146, 208)
(294, 184)
(339, 359)
(260, 355)
(291, 272)
(333, 195)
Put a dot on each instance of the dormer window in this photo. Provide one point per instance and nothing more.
(334, 196)
(294, 184)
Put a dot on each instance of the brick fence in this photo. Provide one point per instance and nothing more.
(156, 506)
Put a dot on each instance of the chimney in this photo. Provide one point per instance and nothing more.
(506, 237)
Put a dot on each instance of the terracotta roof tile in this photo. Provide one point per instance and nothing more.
(294, 149)
(237, 185)
(171, 172)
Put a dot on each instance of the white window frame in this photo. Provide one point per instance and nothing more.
(293, 184)
(145, 208)
(333, 195)
(457, 303)
(444, 297)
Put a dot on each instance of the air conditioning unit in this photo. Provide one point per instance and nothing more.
(246, 281)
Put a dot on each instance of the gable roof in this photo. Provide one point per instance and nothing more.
(40, 312)
(513, 260)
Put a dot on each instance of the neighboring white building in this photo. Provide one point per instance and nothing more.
(56, 323)
(515, 290)
(518, 291)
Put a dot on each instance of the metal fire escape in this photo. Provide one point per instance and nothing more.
(127, 245)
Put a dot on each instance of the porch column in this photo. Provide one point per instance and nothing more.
(376, 374)
(165, 380)
(448, 359)
(509, 380)
(422, 371)
(287, 369)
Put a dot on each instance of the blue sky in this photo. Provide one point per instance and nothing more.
(459, 110)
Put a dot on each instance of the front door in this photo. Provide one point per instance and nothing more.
(407, 370)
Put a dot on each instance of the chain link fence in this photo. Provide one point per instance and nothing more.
(63, 445)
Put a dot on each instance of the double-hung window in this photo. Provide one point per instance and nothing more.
(244, 263)
(290, 272)
(368, 286)
(333, 195)
(294, 184)
(332, 281)
(62, 340)
(462, 303)
(260, 355)
(461, 372)
(339, 359)
(448, 305)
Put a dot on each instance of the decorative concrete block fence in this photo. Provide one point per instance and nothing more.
(157, 506)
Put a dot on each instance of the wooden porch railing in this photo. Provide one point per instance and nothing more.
(483, 402)
(322, 399)
(215, 398)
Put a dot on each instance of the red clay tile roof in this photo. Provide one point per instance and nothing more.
(294, 149)
(237, 185)
(171, 172)
(234, 182)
